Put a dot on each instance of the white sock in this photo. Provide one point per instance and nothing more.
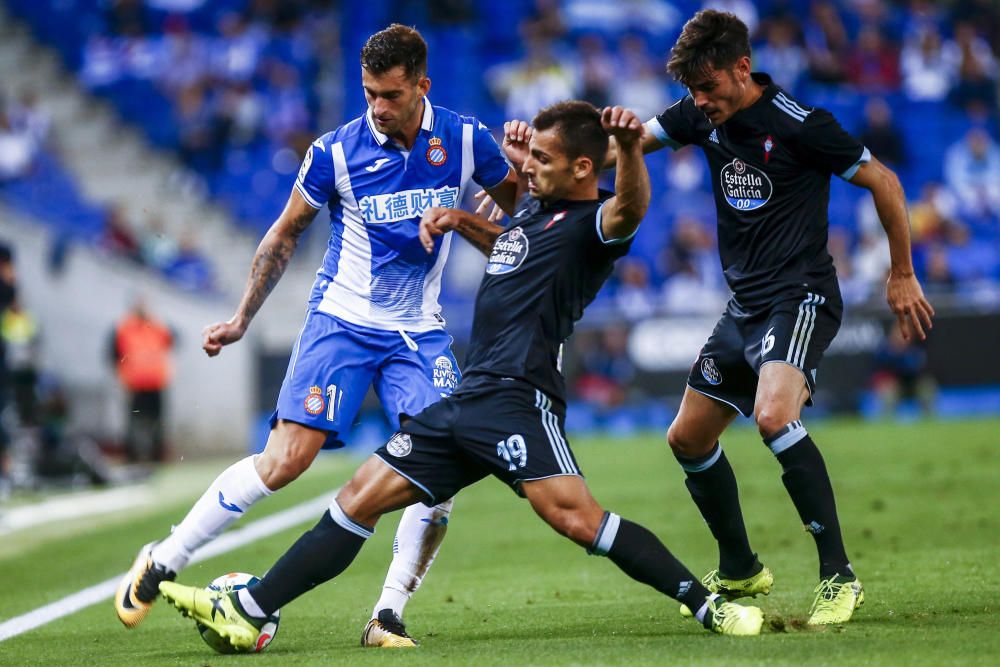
(250, 605)
(418, 538)
(230, 495)
(700, 614)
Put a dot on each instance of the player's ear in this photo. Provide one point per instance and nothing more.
(583, 167)
(423, 85)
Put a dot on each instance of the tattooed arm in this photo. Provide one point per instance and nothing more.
(273, 254)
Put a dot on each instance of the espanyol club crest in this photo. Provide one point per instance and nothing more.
(436, 154)
(744, 186)
(509, 252)
(314, 402)
(399, 445)
(710, 371)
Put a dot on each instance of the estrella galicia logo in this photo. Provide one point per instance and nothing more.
(444, 374)
(745, 187)
(710, 371)
(509, 252)
(399, 445)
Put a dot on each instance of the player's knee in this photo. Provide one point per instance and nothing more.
(683, 443)
(278, 468)
(575, 525)
(771, 418)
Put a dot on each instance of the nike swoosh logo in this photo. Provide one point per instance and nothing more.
(228, 506)
(378, 163)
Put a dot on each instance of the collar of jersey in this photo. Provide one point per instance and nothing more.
(426, 124)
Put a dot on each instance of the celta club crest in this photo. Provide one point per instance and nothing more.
(710, 371)
(556, 218)
(399, 445)
(768, 147)
(314, 402)
(436, 154)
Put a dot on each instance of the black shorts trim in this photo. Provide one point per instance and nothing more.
(716, 398)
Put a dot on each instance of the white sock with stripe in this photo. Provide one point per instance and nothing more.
(418, 539)
(231, 494)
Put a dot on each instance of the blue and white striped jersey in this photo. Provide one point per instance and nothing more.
(375, 272)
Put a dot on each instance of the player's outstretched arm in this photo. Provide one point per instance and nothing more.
(621, 215)
(269, 262)
(903, 291)
(478, 231)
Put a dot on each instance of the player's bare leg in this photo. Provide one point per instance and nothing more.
(290, 450)
(565, 503)
(781, 393)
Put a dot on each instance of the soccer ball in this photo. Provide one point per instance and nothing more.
(228, 583)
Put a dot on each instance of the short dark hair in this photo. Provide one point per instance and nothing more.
(709, 40)
(397, 45)
(578, 125)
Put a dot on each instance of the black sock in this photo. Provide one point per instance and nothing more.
(318, 556)
(712, 485)
(808, 483)
(642, 556)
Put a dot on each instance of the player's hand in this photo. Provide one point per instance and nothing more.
(622, 124)
(485, 201)
(516, 135)
(435, 221)
(215, 336)
(906, 299)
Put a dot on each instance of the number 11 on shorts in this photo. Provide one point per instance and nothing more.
(513, 451)
(334, 397)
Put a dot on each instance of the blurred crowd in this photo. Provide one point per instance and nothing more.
(240, 87)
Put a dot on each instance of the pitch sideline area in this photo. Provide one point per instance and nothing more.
(917, 502)
(103, 591)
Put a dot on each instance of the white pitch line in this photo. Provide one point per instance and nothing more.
(106, 589)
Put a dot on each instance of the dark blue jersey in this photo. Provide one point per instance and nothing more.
(771, 165)
(543, 271)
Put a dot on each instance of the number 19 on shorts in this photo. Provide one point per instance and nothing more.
(513, 451)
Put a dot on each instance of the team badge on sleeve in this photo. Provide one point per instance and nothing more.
(436, 154)
(314, 401)
(306, 163)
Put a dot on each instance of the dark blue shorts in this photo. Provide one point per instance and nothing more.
(509, 430)
(794, 331)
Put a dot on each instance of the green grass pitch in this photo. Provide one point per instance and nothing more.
(917, 501)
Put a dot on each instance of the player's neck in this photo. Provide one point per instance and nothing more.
(407, 136)
(583, 192)
(754, 91)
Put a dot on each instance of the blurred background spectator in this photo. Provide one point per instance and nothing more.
(901, 373)
(140, 349)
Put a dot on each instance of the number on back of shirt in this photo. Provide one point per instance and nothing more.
(513, 451)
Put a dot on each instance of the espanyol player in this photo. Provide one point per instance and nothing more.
(373, 316)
